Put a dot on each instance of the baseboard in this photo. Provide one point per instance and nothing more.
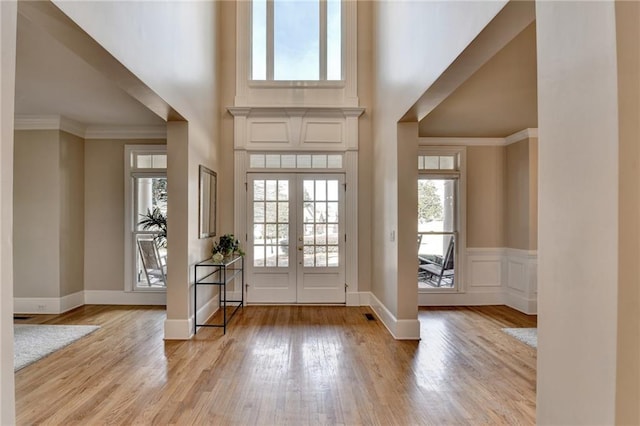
(462, 299)
(47, 305)
(120, 297)
(178, 329)
(71, 301)
(36, 305)
(206, 311)
(399, 329)
(522, 303)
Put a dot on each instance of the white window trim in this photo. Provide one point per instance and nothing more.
(461, 241)
(328, 92)
(129, 224)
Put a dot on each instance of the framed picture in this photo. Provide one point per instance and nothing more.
(207, 202)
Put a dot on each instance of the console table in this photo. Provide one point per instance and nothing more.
(218, 274)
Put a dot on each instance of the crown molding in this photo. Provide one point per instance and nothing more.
(126, 132)
(461, 141)
(522, 134)
(443, 141)
(57, 122)
(294, 111)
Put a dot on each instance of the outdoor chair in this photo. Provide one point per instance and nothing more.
(154, 265)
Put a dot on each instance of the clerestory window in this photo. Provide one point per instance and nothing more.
(296, 40)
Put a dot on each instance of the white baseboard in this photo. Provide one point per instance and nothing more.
(522, 304)
(206, 311)
(178, 329)
(120, 297)
(462, 299)
(358, 299)
(399, 329)
(47, 305)
(36, 305)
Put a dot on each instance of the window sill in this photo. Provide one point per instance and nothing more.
(313, 84)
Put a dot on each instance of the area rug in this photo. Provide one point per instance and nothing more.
(526, 335)
(33, 342)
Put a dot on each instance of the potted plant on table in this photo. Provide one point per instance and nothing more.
(226, 246)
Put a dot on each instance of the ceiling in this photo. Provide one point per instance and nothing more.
(53, 81)
(498, 100)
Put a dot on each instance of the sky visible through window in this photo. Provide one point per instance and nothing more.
(296, 35)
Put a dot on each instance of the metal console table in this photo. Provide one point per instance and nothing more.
(219, 273)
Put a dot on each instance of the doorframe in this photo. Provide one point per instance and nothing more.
(350, 170)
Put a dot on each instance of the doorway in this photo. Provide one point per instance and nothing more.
(295, 238)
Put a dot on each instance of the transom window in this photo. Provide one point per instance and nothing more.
(295, 161)
(296, 40)
(438, 162)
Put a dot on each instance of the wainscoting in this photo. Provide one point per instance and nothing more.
(493, 276)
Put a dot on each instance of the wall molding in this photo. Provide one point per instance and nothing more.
(121, 297)
(178, 329)
(494, 276)
(399, 329)
(58, 122)
(474, 141)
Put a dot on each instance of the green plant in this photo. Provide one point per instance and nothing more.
(154, 220)
(228, 244)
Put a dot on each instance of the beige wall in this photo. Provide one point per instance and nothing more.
(365, 143)
(579, 234)
(517, 195)
(628, 346)
(533, 193)
(36, 208)
(71, 214)
(8, 18)
(104, 212)
(486, 196)
(49, 213)
(502, 195)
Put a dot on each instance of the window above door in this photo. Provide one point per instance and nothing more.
(296, 53)
(296, 40)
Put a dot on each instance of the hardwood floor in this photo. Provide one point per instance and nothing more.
(284, 365)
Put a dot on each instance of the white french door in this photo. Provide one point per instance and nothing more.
(295, 239)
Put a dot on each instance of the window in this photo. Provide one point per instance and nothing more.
(441, 219)
(145, 197)
(296, 40)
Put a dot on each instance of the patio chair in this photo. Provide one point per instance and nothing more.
(154, 265)
(440, 271)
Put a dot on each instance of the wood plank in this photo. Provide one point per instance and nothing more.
(284, 365)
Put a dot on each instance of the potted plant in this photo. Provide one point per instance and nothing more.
(226, 246)
(154, 220)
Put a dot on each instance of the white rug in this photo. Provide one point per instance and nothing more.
(526, 335)
(32, 342)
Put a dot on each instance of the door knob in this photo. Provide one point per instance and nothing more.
(300, 248)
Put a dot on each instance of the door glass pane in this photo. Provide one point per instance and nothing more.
(321, 227)
(271, 223)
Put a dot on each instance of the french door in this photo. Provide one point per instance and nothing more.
(295, 239)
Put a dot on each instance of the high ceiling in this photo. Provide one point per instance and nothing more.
(498, 100)
(53, 81)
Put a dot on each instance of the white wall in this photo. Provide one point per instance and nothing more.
(172, 47)
(415, 42)
(578, 212)
(8, 17)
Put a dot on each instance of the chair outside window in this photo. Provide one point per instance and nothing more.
(436, 269)
(154, 265)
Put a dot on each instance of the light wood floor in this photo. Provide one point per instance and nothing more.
(284, 365)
